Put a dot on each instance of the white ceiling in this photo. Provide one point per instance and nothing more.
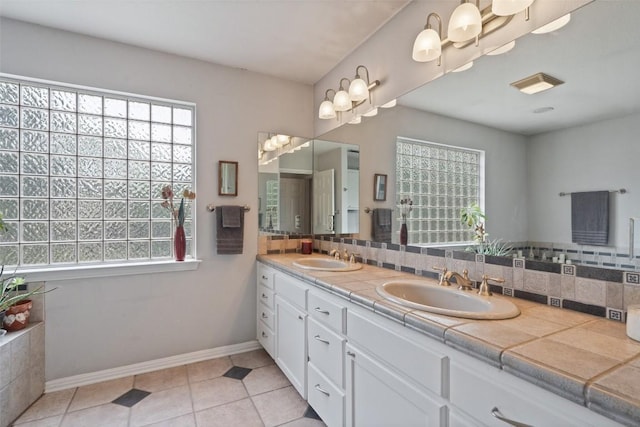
(597, 55)
(299, 40)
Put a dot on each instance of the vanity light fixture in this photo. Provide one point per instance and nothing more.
(536, 83)
(342, 102)
(465, 22)
(269, 145)
(502, 49)
(553, 25)
(428, 43)
(465, 67)
(326, 110)
(510, 7)
(359, 89)
(282, 140)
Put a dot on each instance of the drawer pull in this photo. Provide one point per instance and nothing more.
(496, 413)
(351, 354)
(300, 317)
(317, 338)
(264, 296)
(321, 390)
(321, 311)
(264, 277)
(264, 316)
(264, 335)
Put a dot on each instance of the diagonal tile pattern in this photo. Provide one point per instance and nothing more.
(242, 390)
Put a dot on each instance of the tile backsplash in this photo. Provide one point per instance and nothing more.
(580, 287)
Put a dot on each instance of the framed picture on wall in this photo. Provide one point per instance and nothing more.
(379, 187)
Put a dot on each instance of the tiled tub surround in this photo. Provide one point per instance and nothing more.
(21, 370)
(598, 291)
(586, 359)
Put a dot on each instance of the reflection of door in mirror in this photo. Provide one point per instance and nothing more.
(271, 221)
(294, 204)
(227, 178)
(324, 201)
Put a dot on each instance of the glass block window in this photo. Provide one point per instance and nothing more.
(81, 173)
(440, 180)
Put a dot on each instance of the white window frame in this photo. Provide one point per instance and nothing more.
(416, 217)
(54, 272)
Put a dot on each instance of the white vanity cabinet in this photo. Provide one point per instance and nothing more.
(483, 393)
(265, 309)
(291, 330)
(325, 332)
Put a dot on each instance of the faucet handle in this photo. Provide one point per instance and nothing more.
(444, 281)
(484, 286)
(465, 274)
(352, 258)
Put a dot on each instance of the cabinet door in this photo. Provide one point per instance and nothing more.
(376, 397)
(291, 344)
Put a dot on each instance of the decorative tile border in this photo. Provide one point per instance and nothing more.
(555, 302)
(631, 278)
(568, 270)
(518, 263)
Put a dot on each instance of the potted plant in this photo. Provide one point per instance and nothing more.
(15, 305)
(473, 217)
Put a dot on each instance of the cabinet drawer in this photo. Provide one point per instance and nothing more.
(326, 311)
(477, 388)
(326, 350)
(265, 275)
(266, 338)
(266, 315)
(325, 398)
(293, 290)
(266, 296)
(427, 367)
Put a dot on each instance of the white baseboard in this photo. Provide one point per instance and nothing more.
(151, 365)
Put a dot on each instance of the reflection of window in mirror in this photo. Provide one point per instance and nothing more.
(227, 178)
(379, 187)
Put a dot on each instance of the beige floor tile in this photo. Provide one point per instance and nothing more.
(236, 414)
(252, 359)
(305, 422)
(44, 422)
(162, 405)
(279, 406)
(265, 379)
(218, 391)
(105, 415)
(162, 380)
(182, 421)
(48, 405)
(208, 369)
(100, 393)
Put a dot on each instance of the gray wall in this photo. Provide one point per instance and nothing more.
(109, 322)
(598, 156)
(505, 162)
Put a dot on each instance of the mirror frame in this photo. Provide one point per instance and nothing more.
(380, 186)
(222, 179)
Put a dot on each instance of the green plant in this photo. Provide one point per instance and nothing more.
(9, 293)
(473, 217)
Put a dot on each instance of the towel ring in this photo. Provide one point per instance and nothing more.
(211, 207)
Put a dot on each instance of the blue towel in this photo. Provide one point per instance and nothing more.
(381, 225)
(590, 218)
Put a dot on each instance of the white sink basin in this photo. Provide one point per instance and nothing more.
(326, 264)
(421, 295)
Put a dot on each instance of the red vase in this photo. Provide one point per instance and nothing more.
(179, 243)
(404, 236)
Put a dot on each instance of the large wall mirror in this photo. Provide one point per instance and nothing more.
(579, 136)
(307, 186)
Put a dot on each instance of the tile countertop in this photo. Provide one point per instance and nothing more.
(586, 359)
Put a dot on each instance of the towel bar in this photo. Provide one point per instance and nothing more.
(211, 207)
(621, 191)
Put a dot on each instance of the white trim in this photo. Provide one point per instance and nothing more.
(151, 365)
(51, 273)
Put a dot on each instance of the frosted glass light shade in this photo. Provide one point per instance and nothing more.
(282, 140)
(358, 90)
(465, 23)
(269, 145)
(509, 7)
(326, 110)
(342, 101)
(427, 46)
(553, 25)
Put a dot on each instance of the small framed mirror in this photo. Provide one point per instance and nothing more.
(227, 178)
(379, 187)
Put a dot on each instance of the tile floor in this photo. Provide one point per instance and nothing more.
(243, 390)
